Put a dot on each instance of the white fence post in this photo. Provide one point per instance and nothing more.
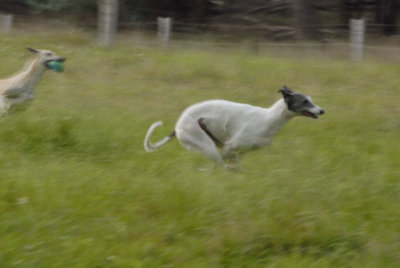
(164, 27)
(6, 21)
(357, 33)
(107, 21)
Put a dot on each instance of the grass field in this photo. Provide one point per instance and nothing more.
(78, 190)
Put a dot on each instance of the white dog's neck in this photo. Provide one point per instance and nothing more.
(277, 116)
(281, 110)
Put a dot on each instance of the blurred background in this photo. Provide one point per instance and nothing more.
(313, 26)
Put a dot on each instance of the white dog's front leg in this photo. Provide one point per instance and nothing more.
(230, 156)
(227, 151)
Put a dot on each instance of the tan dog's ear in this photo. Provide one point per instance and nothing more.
(33, 50)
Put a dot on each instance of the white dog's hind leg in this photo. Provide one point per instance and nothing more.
(193, 138)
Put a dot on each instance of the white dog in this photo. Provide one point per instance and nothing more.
(234, 127)
(20, 88)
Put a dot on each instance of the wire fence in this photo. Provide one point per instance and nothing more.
(332, 42)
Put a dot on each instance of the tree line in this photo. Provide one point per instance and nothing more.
(284, 17)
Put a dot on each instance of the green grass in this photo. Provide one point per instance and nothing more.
(78, 190)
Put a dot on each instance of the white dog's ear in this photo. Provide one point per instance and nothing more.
(33, 50)
(286, 92)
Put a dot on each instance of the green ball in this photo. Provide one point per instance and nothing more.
(57, 66)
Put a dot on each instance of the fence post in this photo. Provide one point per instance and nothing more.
(164, 27)
(107, 21)
(357, 33)
(6, 21)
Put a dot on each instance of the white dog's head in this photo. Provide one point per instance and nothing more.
(300, 103)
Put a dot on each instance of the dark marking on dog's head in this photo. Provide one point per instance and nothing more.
(300, 103)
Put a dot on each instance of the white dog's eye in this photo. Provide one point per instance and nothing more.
(48, 54)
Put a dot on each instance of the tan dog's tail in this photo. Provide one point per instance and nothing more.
(150, 147)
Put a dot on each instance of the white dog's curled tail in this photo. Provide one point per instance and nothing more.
(150, 147)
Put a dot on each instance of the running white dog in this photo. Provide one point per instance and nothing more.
(20, 88)
(234, 127)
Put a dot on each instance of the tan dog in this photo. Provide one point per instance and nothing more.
(20, 88)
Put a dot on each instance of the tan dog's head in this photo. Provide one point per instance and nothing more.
(46, 56)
